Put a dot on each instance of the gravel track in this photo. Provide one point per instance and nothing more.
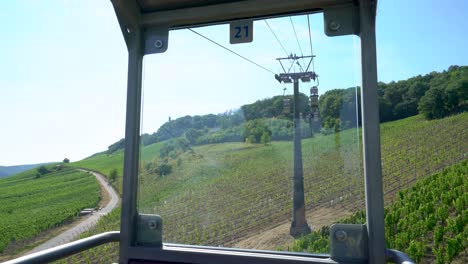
(83, 226)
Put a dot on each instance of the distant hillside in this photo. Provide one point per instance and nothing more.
(434, 95)
(6, 171)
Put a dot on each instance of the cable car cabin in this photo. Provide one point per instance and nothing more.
(201, 197)
(314, 90)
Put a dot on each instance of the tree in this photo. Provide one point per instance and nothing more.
(457, 95)
(432, 104)
(254, 130)
(66, 160)
(339, 106)
(417, 89)
(113, 175)
(405, 109)
(266, 138)
(193, 134)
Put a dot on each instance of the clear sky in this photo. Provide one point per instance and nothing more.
(63, 67)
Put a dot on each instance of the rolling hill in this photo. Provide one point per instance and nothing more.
(219, 194)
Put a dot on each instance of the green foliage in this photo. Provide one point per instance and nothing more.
(172, 148)
(410, 220)
(432, 104)
(434, 95)
(338, 109)
(281, 129)
(447, 98)
(163, 169)
(42, 170)
(66, 160)
(254, 130)
(274, 107)
(254, 182)
(192, 135)
(232, 134)
(416, 250)
(116, 146)
(225, 191)
(266, 138)
(112, 175)
(30, 207)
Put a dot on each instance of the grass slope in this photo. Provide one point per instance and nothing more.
(31, 205)
(104, 163)
(429, 221)
(224, 192)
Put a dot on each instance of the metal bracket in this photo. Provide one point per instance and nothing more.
(341, 20)
(149, 230)
(348, 243)
(156, 40)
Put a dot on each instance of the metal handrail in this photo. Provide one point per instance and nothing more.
(68, 249)
(398, 257)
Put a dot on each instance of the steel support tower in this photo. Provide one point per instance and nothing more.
(299, 226)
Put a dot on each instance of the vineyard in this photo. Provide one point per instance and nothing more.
(31, 205)
(428, 221)
(222, 193)
(254, 180)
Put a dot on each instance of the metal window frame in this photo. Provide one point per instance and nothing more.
(135, 26)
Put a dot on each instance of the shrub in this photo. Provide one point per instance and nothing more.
(164, 169)
(266, 138)
(42, 170)
(113, 175)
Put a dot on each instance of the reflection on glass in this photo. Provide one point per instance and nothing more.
(217, 159)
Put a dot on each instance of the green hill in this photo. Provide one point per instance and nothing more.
(32, 203)
(219, 193)
(434, 95)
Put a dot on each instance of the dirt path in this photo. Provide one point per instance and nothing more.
(84, 225)
(276, 236)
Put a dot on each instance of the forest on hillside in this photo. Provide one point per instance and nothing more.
(434, 95)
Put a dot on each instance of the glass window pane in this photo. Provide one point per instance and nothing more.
(225, 161)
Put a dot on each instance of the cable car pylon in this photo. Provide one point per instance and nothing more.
(299, 225)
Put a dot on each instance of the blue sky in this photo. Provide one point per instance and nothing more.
(63, 69)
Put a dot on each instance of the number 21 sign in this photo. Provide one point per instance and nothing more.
(241, 31)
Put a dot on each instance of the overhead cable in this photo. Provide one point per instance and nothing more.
(297, 39)
(249, 60)
(310, 40)
(277, 39)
